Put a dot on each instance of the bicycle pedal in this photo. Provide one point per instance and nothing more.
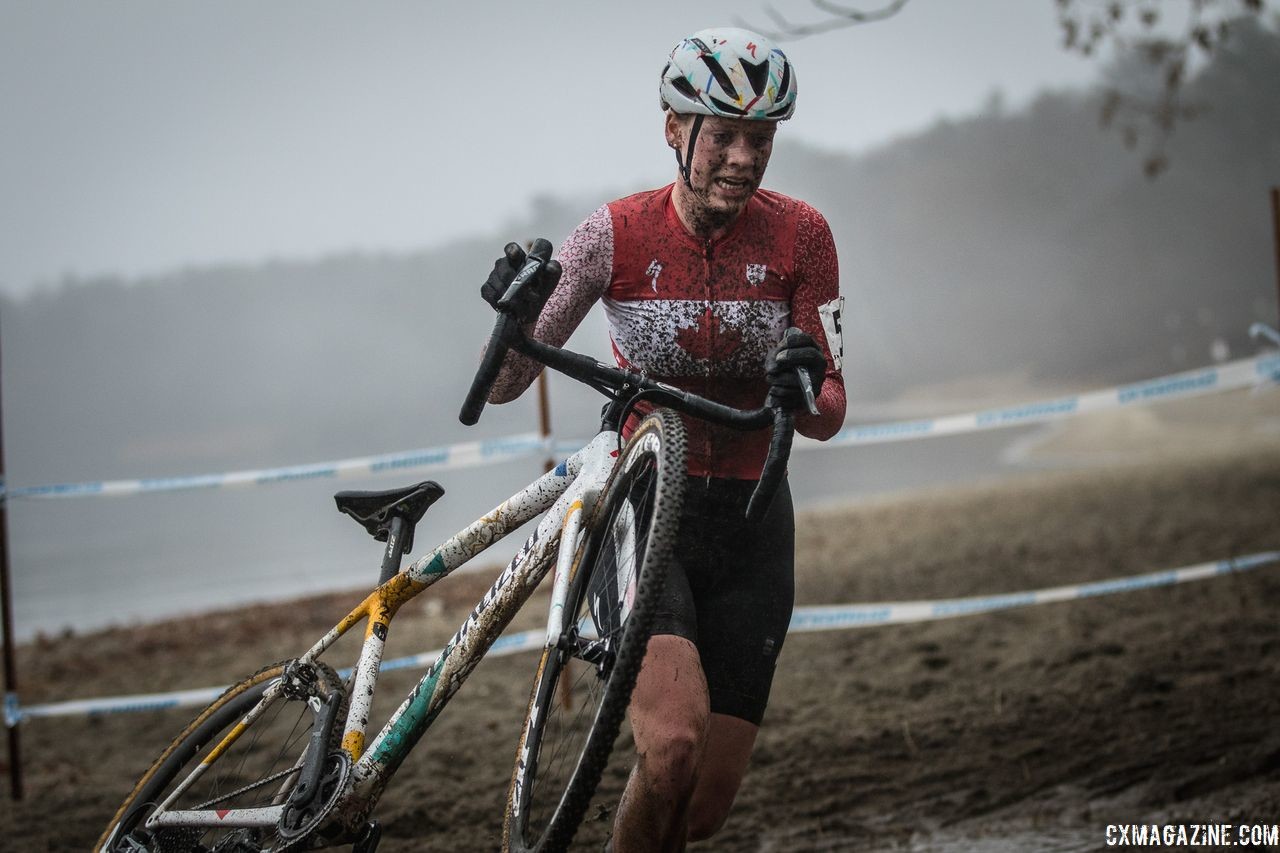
(368, 840)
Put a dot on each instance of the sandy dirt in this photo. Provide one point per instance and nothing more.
(1028, 729)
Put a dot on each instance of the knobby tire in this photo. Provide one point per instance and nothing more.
(644, 495)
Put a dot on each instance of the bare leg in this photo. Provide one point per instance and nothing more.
(669, 717)
(724, 762)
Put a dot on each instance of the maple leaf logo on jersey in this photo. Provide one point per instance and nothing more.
(708, 340)
(756, 274)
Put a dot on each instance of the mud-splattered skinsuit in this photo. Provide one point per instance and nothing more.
(701, 315)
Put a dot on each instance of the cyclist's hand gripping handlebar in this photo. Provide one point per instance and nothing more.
(523, 297)
(796, 369)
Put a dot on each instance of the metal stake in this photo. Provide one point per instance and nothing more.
(10, 657)
(1275, 224)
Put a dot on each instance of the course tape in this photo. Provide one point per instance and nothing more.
(463, 455)
(1230, 376)
(1243, 373)
(803, 619)
(898, 613)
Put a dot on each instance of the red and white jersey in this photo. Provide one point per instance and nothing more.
(702, 315)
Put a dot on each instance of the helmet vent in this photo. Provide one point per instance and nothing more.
(684, 87)
(758, 74)
(785, 85)
(722, 76)
(724, 108)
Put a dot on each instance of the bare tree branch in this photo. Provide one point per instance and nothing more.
(858, 16)
(841, 16)
(1129, 29)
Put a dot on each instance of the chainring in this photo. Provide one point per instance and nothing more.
(296, 825)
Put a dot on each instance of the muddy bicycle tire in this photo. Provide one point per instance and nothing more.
(617, 579)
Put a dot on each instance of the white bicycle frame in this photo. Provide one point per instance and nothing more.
(567, 495)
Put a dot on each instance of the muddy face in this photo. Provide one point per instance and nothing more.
(729, 161)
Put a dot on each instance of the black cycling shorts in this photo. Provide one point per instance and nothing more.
(730, 590)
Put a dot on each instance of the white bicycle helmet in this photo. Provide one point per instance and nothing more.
(730, 72)
(727, 72)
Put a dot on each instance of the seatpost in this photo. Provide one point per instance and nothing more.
(395, 548)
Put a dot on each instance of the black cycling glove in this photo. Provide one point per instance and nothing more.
(533, 296)
(796, 349)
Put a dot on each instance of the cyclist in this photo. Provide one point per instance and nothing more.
(720, 287)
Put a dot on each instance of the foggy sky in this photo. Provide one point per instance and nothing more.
(142, 135)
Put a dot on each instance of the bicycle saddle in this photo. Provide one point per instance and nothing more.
(374, 510)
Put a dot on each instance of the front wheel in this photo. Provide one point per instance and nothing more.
(584, 681)
(251, 753)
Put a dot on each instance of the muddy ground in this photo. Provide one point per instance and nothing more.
(1028, 729)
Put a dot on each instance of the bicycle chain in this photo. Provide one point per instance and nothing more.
(246, 788)
(180, 840)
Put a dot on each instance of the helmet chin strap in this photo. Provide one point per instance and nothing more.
(687, 163)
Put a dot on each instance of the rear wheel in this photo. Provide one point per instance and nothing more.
(258, 770)
(584, 681)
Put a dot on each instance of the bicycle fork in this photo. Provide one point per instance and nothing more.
(595, 472)
(565, 565)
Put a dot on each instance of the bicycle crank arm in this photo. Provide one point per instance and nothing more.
(308, 786)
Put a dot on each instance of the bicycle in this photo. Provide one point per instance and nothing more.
(281, 760)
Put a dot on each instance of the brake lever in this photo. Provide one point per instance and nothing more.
(806, 385)
(531, 267)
